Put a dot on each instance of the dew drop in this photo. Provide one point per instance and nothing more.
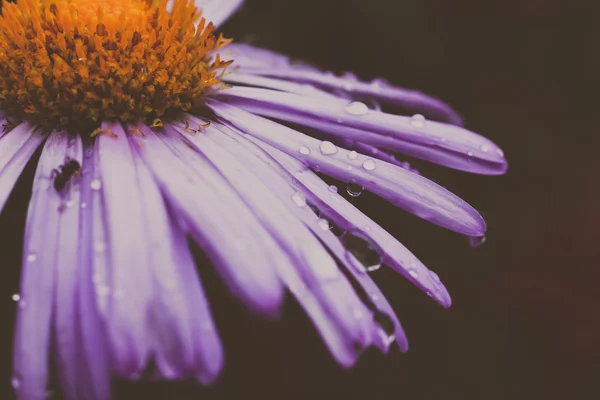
(356, 108)
(16, 382)
(470, 154)
(69, 203)
(500, 152)
(16, 297)
(353, 155)
(32, 257)
(434, 277)
(354, 189)
(304, 150)
(333, 189)
(328, 148)
(363, 250)
(369, 165)
(485, 148)
(83, 205)
(324, 224)
(386, 326)
(299, 199)
(418, 121)
(96, 184)
(413, 272)
(476, 241)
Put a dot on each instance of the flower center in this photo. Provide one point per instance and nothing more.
(72, 63)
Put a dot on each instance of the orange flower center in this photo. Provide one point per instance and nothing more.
(73, 63)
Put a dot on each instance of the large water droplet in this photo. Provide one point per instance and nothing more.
(363, 250)
(304, 150)
(386, 325)
(354, 189)
(328, 148)
(16, 297)
(333, 189)
(476, 241)
(299, 199)
(96, 184)
(353, 155)
(356, 108)
(418, 121)
(369, 165)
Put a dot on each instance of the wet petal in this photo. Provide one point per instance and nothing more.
(244, 253)
(16, 148)
(257, 61)
(126, 289)
(444, 144)
(255, 160)
(317, 269)
(403, 188)
(50, 244)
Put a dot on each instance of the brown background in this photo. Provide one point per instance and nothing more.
(525, 321)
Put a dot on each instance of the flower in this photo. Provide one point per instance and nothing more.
(151, 135)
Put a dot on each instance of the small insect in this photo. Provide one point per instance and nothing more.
(63, 174)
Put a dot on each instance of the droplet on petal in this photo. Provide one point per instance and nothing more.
(304, 150)
(369, 165)
(356, 108)
(32, 257)
(299, 199)
(353, 155)
(485, 148)
(354, 189)
(363, 250)
(333, 189)
(418, 121)
(328, 148)
(476, 241)
(324, 224)
(16, 297)
(96, 184)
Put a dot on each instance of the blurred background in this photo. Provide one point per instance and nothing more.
(524, 323)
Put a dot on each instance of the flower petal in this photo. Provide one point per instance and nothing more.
(444, 144)
(218, 11)
(47, 246)
(243, 251)
(126, 289)
(317, 269)
(16, 148)
(255, 160)
(403, 188)
(257, 61)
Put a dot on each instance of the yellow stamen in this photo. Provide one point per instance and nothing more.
(73, 63)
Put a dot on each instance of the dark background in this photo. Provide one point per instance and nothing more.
(525, 321)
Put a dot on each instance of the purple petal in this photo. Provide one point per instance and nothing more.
(261, 165)
(244, 252)
(125, 291)
(403, 188)
(218, 11)
(317, 269)
(47, 245)
(440, 143)
(16, 148)
(256, 61)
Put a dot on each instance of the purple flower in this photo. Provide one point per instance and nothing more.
(149, 136)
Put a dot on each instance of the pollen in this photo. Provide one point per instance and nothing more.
(73, 63)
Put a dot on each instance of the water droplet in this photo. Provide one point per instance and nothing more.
(476, 241)
(333, 189)
(387, 326)
(356, 108)
(485, 148)
(500, 152)
(470, 154)
(434, 277)
(16, 382)
(299, 199)
(418, 121)
(353, 155)
(83, 205)
(328, 148)
(413, 272)
(16, 297)
(369, 165)
(354, 189)
(358, 313)
(363, 249)
(69, 203)
(99, 247)
(96, 184)
(32, 257)
(324, 224)
(304, 150)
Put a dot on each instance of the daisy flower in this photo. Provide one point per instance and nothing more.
(153, 129)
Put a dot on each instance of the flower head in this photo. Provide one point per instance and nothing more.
(143, 147)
